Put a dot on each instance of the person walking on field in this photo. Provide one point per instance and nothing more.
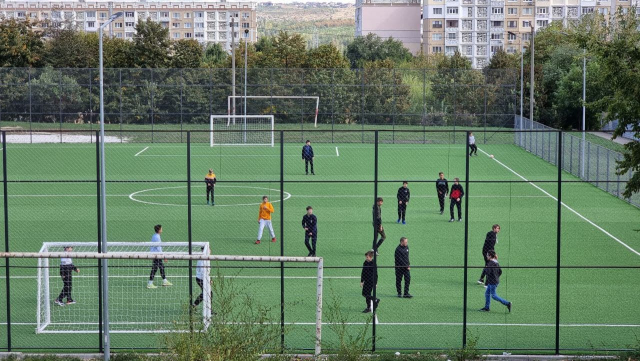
(490, 242)
(368, 281)
(66, 273)
(377, 224)
(456, 199)
(403, 199)
(493, 272)
(472, 145)
(157, 263)
(310, 225)
(442, 186)
(307, 155)
(403, 268)
(264, 219)
(210, 180)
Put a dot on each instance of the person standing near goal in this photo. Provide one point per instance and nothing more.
(490, 242)
(472, 145)
(66, 273)
(442, 186)
(264, 219)
(307, 155)
(456, 199)
(403, 199)
(368, 281)
(377, 224)
(200, 278)
(493, 272)
(157, 263)
(210, 180)
(310, 225)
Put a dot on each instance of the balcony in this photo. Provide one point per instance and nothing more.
(497, 3)
(542, 16)
(451, 42)
(497, 16)
(451, 29)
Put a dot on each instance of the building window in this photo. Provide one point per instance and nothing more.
(199, 35)
(165, 24)
(451, 36)
(542, 10)
(497, 10)
(164, 14)
(452, 23)
(436, 36)
(496, 36)
(175, 25)
(245, 25)
(497, 24)
(436, 49)
(450, 50)
(494, 49)
(437, 11)
(119, 35)
(245, 15)
(91, 24)
(526, 36)
(187, 25)
(128, 14)
(199, 25)
(103, 15)
(587, 10)
(187, 15)
(452, 10)
(512, 24)
(176, 15)
(527, 11)
(187, 35)
(512, 11)
(199, 14)
(526, 24)
(117, 25)
(542, 23)
(437, 24)
(176, 35)
(91, 14)
(128, 35)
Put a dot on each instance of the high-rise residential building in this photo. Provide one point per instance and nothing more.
(478, 28)
(400, 19)
(205, 21)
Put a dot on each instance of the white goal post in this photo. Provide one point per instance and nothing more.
(241, 130)
(132, 260)
(231, 111)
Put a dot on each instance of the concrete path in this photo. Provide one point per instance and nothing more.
(619, 140)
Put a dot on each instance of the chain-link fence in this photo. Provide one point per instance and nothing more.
(568, 251)
(184, 99)
(590, 162)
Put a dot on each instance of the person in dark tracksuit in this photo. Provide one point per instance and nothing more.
(307, 155)
(210, 180)
(442, 186)
(403, 199)
(403, 268)
(493, 272)
(456, 199)
(369, 280)
(66, 273)
(490, 242)
(310, 225)
(377, 224)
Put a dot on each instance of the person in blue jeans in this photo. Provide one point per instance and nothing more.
(493, 273)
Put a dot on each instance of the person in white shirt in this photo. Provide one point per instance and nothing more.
(200, 279)
(157, 263)
(472, 145)
(66, 269)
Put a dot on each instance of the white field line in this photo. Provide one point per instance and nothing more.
(455, 324)
(337, 153)
(241, 195)
(146, 277)
(140, 152)
(229, 155)
(566, 206)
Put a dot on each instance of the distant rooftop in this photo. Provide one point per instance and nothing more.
(387, 2)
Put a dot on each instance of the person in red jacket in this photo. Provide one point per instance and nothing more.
(456, 195)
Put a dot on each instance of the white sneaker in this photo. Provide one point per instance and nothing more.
(151, 285)
(59, 303)
(166, 283)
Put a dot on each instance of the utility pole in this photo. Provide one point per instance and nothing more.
(233, 66)
(531, 96)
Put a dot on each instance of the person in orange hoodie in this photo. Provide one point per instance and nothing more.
(264, 218)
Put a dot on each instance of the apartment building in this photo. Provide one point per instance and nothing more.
(400, 19)
(478, 28)
(205, 21)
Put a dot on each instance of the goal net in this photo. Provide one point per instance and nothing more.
(133, 306)
(241, 130)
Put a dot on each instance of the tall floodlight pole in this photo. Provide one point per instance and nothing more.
(521, 81)
(103, 201)
(233, 67)
(584, 111)
(531, 96)
(246, 46)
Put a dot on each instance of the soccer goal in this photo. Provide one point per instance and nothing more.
(241, 130)
(133, 308)
(231, 111)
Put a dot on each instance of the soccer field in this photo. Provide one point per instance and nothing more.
(51, 196)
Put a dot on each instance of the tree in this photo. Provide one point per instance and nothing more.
(69, 48)
(502, 60)
(620, 66)
(289, 50)
(214, 56)
(151, 45)
(20, 45)
(325, 56)
(186, 54)
(117, 53)
(371, 47)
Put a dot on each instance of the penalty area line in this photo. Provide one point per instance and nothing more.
(566, 206)
(337, 153)
(140, 152)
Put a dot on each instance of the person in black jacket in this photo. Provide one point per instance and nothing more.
(310, 225)
(490, 242)
(493, 272)
(377, 224)
(403, 199)
(403, 268)
(442, 186)
(66, 271)
(307, 155)
(369, 280)
(456, 199)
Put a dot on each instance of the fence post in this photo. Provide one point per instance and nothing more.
(588, 160)
(60, 101)
(120, 88)
(466, 245)
(598, 167)
(362, 120)
(281, 241)
(618, 181)
(375, 236)
(608, 152)
(189, 233)
(558, 237)
(99, 214)
(423, 121)
(31, 110)
(6, 238)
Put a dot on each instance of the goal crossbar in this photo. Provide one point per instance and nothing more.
(232, 110)
(186, 257)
